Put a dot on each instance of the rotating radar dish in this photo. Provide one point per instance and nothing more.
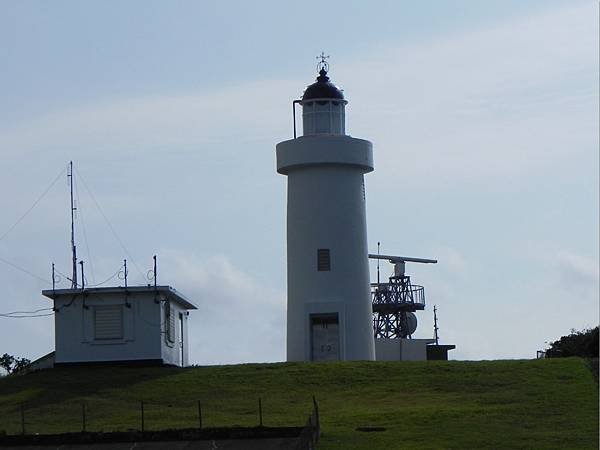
(411, 323)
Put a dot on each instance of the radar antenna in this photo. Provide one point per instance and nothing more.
(395, 302)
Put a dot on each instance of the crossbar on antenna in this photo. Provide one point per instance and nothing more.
(395, 259)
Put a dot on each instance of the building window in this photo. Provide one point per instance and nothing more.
(323, 260)
(170, 322)
(108, 322)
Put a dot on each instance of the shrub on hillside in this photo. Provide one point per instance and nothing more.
(577, 343)
(12, 364)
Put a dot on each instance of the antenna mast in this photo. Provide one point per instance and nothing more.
(435, 326)
(73, 248)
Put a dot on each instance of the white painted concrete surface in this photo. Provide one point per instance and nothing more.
(326, 210)
(143, 326)
(402, 349)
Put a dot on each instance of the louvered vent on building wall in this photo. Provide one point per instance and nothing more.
(108, 322)
(170, 321)
(323, 260)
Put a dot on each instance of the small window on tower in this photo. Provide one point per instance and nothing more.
(323, 260)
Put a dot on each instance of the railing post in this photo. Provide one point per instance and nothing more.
(199, 415)
(142, 413)
(260, 411)
(311, 434)
(316, 411)
(22, 419)
(317, 431)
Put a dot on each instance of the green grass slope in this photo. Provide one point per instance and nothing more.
(434, 404)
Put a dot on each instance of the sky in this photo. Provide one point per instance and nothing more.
(483, 117)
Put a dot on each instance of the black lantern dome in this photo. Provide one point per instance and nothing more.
(322, 88)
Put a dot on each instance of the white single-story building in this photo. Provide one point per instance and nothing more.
(140, 324)
(403, 349)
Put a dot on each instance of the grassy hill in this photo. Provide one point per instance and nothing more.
(490, 404)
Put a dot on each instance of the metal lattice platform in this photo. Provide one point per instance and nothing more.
(393, 305)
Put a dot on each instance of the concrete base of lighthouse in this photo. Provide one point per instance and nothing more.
(329, 314)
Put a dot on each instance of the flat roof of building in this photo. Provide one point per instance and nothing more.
(168, 291)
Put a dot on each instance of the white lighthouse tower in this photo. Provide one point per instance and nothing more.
(329, 311)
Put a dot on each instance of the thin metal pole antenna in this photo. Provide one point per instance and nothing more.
(378, 244)
(154, 257)
(294, 114)
(435, 325)
(73, 247)
(82, 276)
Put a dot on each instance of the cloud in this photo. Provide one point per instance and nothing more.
(512, 100)
(138, 126)
(238, 319)
(577, 278)
(453, 261)
(498, 310)
(577, 269)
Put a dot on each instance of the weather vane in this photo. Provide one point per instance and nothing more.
(322, 64)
